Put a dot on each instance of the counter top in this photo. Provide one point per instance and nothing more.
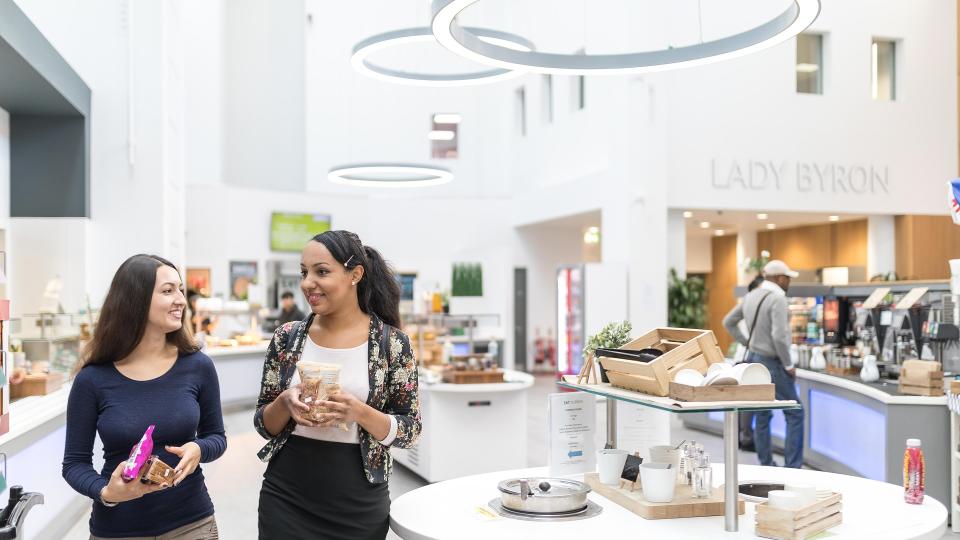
(217, 352)
(512, 381)
(884, 393)
(29, 415)
(450, 509)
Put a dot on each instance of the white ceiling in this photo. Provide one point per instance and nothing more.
(732, 222)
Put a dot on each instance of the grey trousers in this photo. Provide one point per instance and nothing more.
(205, 529)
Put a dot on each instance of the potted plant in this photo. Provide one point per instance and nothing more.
(611, 336)
(687, 301)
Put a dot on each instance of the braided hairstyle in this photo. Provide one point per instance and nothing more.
(378, 292)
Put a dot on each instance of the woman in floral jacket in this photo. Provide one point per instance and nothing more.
(328, 471)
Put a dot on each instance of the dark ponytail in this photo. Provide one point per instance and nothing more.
(378, 292)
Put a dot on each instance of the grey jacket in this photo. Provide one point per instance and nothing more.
(771, 336)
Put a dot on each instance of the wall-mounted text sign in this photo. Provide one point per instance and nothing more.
(799, 177)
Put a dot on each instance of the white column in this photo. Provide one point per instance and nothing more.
(677, 242)
(746, 247)
(881, 245)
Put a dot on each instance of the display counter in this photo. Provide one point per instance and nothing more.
(857, 428)
(455, 509)
(491, 417)
(239, 369)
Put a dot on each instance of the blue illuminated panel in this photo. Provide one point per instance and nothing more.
(849, 433)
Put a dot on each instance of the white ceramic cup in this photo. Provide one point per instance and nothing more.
(719, 366)
(690, 377)
(610, 462)
(752, 374)
(807, 492)
(664, 454)
(787, 500)
(659, 482)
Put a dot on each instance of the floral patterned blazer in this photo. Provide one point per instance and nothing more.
(394, 390)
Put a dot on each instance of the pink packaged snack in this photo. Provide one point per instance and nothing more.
(139, 455)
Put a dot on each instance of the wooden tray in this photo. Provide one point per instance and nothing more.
(799, 524)
(683, 348)
(684, 505)
(842, 371)
(749, 392)
(473, 377)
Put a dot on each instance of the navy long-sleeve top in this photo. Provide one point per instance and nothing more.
(183, 403)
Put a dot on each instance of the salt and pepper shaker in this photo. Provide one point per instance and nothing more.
(703, 477)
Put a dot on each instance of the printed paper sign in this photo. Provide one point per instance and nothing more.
(573, 418)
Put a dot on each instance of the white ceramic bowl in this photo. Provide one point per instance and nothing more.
(752, 374)
(690, 377)
(720, 378)
(807, 492)
(659, 483)
(719, 366)
(665, 454)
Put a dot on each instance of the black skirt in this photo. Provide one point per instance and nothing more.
(316, 490)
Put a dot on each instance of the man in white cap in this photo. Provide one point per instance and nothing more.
(767, 316)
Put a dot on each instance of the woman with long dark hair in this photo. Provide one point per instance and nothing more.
(325, 481)
(143, 368)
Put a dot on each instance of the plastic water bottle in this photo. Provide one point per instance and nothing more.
(914, 473)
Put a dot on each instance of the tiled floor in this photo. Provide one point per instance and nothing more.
(234, 479)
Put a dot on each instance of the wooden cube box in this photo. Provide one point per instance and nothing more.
(683, 349)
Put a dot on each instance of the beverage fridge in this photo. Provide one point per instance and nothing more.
(589, 296)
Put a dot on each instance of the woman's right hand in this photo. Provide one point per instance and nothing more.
(118, 491)
(290, 398)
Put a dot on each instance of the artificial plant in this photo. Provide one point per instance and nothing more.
(687, 301)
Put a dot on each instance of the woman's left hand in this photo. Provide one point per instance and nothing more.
(189, 460)
(343, 407)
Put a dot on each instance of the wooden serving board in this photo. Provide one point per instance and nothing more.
(684, 505)
(735, 392)
(473, 377)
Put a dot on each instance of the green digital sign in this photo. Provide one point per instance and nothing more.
(290, 232)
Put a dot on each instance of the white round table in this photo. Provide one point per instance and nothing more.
(451, 509)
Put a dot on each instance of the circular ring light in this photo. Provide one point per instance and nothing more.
(463, 41)
(362, 50)
(391, 175)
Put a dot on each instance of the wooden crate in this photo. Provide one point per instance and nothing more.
(955, 387)
(848, 372)
(683, 349)
(781, 524)
(683, 505)
(749, 392)
(37, 385)
(473, 377)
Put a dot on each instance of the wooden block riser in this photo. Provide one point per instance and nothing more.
(684, 505)
(768, 513)
(752, 392)
(799, 523)
(800, 534)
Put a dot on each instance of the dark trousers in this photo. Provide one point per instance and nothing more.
(785, 389)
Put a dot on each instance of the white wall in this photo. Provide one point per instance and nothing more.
(747, 110)
(229, 223)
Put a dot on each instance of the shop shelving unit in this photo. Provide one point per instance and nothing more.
(469, 322)
(731, 428)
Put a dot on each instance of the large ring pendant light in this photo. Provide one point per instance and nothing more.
(461, 40)
(389, 175)
(362, 50)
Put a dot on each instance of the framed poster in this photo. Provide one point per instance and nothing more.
(405, 280)
(242, 275)
(289, 231)
(198, 279)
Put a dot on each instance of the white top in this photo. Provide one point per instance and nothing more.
(354, 380)
(871, 509)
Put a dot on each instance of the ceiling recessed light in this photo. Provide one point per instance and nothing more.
(762, 216)
(688, 214)
(704, 224)
(441, 135)
(834, 218)
(719, 232)
(591, 235)
(447, 118)
(771, 226)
